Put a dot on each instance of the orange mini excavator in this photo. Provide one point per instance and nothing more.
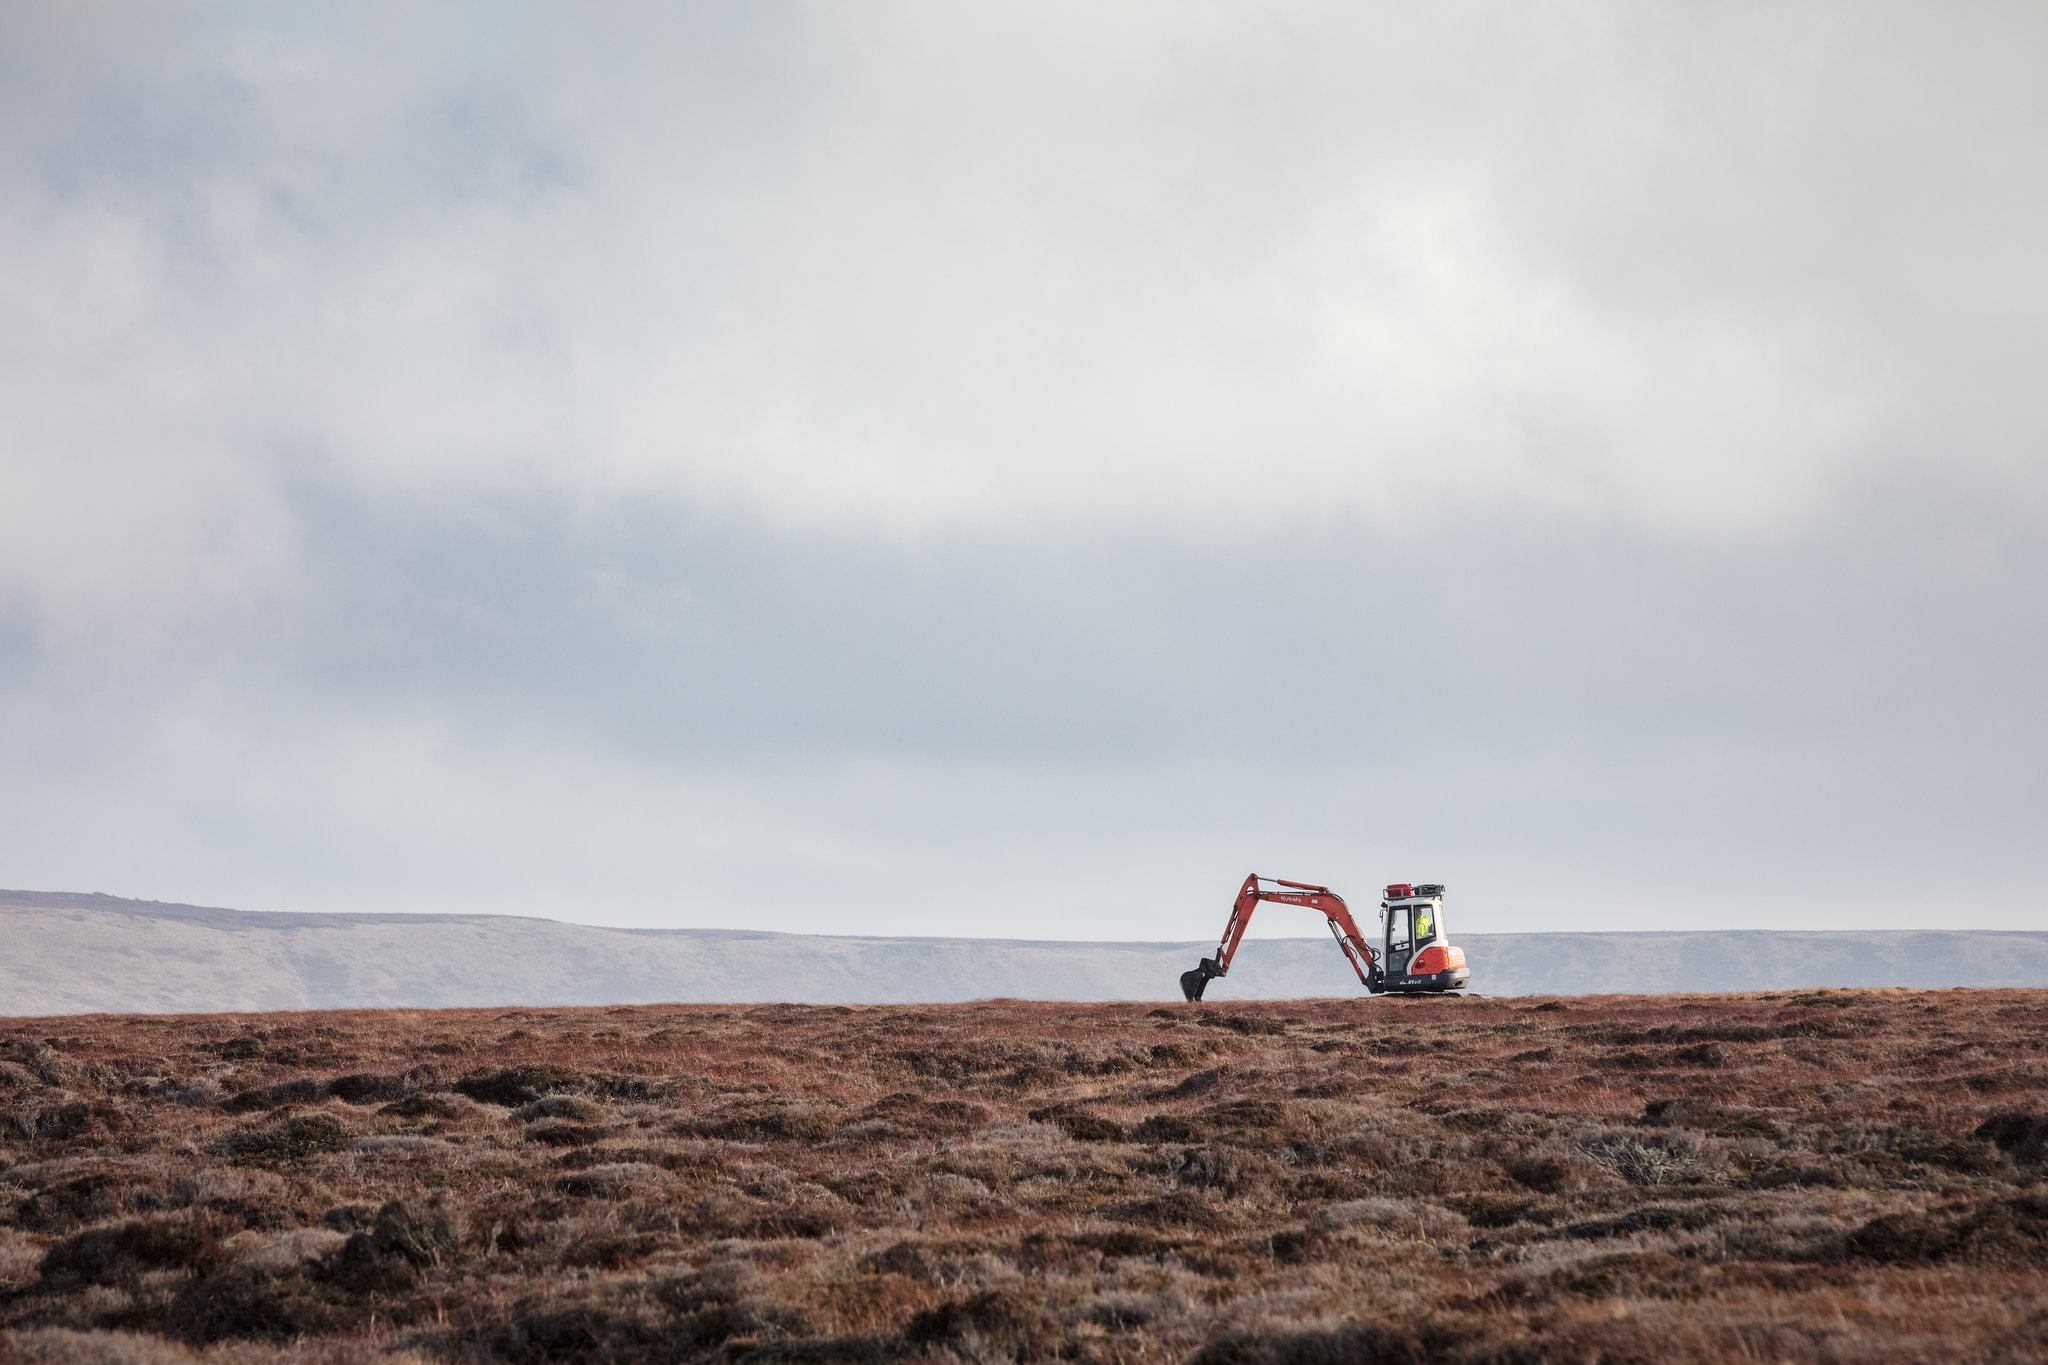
(1419, 953)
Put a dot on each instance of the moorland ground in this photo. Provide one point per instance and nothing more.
(1836, 1175)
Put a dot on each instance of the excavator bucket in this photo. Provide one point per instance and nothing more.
(1193, 983)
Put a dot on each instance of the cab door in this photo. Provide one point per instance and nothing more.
(1399, 940)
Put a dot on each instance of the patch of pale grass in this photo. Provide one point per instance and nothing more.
(399, 1144)
(279, 1253)
(19, 1256)
(1415, 1219)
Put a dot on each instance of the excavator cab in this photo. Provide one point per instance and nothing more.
(1419, 954)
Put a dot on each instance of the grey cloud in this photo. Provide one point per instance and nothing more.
(912, 267)
(689, 634)
(1839, 719)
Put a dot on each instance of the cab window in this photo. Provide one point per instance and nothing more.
(1397, 928)
(1425, 924)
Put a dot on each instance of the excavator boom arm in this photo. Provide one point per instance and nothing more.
(1356, 950)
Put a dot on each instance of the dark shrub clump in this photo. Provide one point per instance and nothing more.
(428, 1106)
(365, 1088)
(1013, 1324)
(2022, 1136)
(114, 1255)
(910, 1115)
(290, 1139)
(1166, 1128)
(1379, 1343)
(517, 1085)
(1079, 1126)
(2001, 1232)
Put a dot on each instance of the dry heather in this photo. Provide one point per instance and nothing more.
(1840, 1175)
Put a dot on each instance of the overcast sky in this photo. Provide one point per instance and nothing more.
(1014, 469)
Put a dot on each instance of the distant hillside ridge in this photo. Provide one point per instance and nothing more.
(71, 953)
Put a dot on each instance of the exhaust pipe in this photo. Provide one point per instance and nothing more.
(1193, 983)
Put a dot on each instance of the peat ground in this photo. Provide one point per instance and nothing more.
(1832, 1175)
